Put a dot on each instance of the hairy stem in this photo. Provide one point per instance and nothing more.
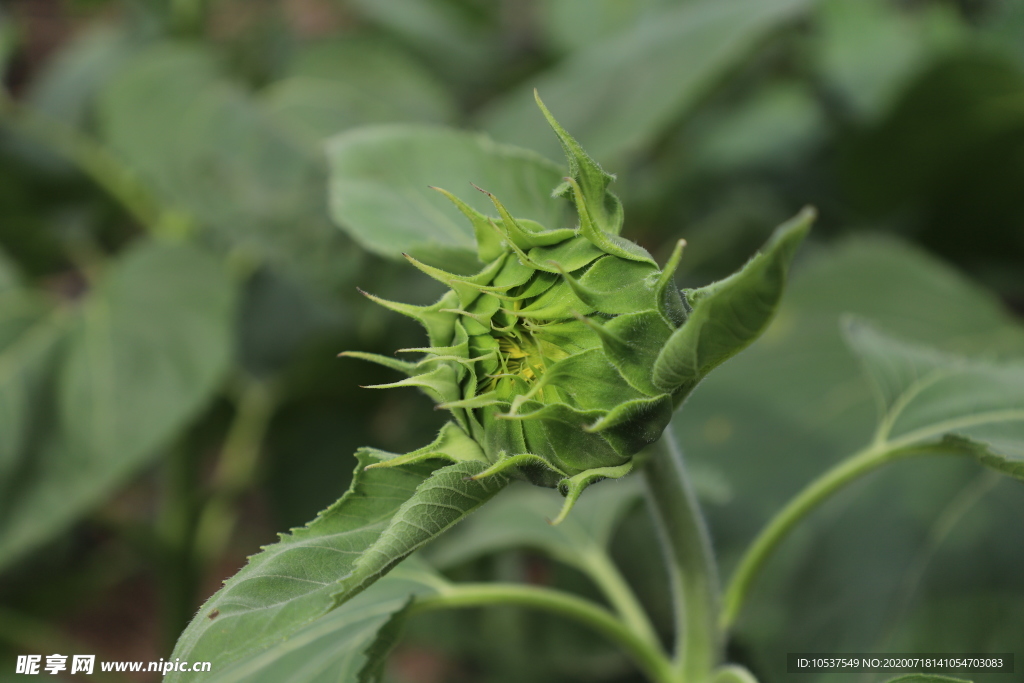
(692, 570)
(647, 656)
(782, 523)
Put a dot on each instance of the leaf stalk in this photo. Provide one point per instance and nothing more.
(853, 467)
(647, 656)
(599, 567)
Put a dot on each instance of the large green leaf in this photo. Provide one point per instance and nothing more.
(779, 123)
(214, 152)
(148, 350)
(381, 177)
(619, 94)
(334, 647)
(141, 109)
(386, 515)
(779, 414)
(153, 345)
(927, 397)
(577, 24)
(440, 31)
(336, 85)
(65, 89)
(867, 50)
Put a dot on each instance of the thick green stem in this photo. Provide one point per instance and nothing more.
(799, 507)
(648, 657)
(691, 565)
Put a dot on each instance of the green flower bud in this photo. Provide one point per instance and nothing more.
(568, 352)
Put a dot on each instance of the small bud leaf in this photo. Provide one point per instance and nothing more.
(730, 314)
(572, 487)
(606, 242)
(591, 178)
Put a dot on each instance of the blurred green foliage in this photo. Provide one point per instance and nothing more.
(173, 294)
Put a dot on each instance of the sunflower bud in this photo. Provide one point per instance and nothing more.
(566, 354)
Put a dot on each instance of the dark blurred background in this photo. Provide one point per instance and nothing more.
(163, 205)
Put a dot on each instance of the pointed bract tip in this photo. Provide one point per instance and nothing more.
(540, 102)
(481, 189)
(567, 506)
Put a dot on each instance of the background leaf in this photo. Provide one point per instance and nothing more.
(624, 77)
(214, 152)
(380, 178)
(867, 50)
(67, 86)
(931, 398)
(154, 342)
(163, 82)
(147, 352)
(441, 31)
(332, 86)
(577, 24)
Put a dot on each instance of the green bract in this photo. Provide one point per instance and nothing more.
(566, 354)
